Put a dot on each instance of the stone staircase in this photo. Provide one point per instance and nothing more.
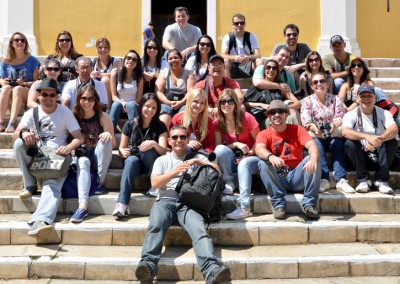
(356, 240)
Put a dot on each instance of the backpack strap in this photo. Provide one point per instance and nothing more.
(36, 119)
(232, 42)
(246, 41)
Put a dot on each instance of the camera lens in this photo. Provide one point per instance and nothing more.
(31, 151)
(238, 153)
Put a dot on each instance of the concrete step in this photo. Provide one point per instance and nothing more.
(387, 83)
(384, 72)
(257, 230)
(179, 263)
(330, 202)
(383, 62)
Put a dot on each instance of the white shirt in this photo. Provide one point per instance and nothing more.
(70, 92)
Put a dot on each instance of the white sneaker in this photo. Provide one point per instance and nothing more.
(152, 192)
(229, 189)
(383, 187)
(239, 213)
(364, 186)
(121, 210)
(324, 186)
(343, 185)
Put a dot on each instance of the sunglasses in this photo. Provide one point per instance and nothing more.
(45, 95)
(291, 35)
(203, 44)
(55, 69)
(64, 40)
(239, 23)
(130, 58)
(279, 111)
(359, 65)
(269, 67)
(321, 81)
(313, 59)
(19, 40)
(152, 48)
(181, 137)
(87, 99)
(230, 102)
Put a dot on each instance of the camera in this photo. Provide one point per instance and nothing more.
(325, 128)
(238, 153)
(82, 151)
(13, 77)
(210, 155)
(372, 155)
(134, 150)
(282, 171)
(31, 150)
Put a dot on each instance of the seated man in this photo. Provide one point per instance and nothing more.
(83, 66)
(240, 50)
(337, 62)
(282, 167)
(216, 82)
(370, 132)
(56, 122)
(169, 209)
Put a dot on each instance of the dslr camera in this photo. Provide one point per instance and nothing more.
(82, 151)
(13, 77)
(325, 128)
(210, 155)
(373, 156)
(31, 150)
(282, 171)
(238, 153)
(134, 150)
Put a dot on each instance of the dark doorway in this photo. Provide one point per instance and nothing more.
(162, 14)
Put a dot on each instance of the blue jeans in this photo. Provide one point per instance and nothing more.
(51, 191)
(164, 213)
(101, 157)
(297, 180)
(134, 166)
(132, 110)
(169, 110)
(336, 146)
(337, 83)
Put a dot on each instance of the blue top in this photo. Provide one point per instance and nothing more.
(23, 71)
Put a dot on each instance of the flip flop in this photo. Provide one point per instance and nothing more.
(2, 128)
(10, 127)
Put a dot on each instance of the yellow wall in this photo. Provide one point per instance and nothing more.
(268, 18)
(118, 20)
(377, 29)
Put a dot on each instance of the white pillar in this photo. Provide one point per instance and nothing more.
(16, 16)
(338, 17)
(146, 14)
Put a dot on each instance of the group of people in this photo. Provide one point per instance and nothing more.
(190, 102)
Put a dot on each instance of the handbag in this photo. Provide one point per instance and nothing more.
(47, 164)
(70, 186)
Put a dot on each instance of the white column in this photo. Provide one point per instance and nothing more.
(16, 16)
(212, 20)
(338, 17)
(146, 14)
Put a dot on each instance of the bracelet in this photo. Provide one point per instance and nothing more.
(269, 156)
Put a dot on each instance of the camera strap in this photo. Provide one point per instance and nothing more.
(37, 124)
(360, 120)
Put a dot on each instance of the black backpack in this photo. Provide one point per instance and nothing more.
(246, 41)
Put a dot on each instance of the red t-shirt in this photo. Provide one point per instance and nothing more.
(208, 143)
(215, 91)
(249, 124)
(287, 145)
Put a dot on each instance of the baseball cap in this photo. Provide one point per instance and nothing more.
(365, 88)
(277, 104)
(336, 38)
(216, 56)
(48, 83)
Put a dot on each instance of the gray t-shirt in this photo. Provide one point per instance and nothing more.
(167, 163)
(182, 39)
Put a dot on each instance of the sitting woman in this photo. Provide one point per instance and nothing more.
(313, 66)
(195, 118)
(98, 133)
(18, 70)
(198, 63)
(235, 135)
(65, 52)
(104, 64)
(257, 100)
(126, 87)
(172, 86)
(52, 69)
(321, 115)
(143, 140)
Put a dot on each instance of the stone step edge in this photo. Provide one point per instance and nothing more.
(185, 268)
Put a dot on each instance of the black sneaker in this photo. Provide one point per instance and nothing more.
(219, 275)
(311, 212)
(280, 213)
(144, 273)
(28, 191)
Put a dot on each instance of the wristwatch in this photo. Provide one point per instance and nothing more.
(269, 156)
(22, 131)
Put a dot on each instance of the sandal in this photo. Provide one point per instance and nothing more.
(2, 127)
(10, 127)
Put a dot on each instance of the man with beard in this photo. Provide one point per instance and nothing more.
(282, 167)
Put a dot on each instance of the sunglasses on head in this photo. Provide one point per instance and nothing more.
(278, 111)
(203, 44)
(229, 102)
(19, 40)
(269, 67)
(55, 69)
(239, 23)
(152, 48)
(291, 35)
(313, 59)
(181, 137)
(64, 40)
(359, 65)
(87, 99)
(321, 81)
(45, 95)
